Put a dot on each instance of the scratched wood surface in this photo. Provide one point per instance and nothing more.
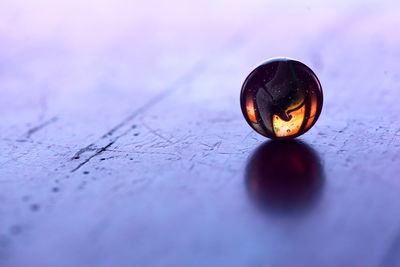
(123, 144)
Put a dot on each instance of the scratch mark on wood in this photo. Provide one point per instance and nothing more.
(156, 133)
(156, 99)
(339, 132)
(83, 150)
(212, 147)
(247, 136)
(235, 42)
(98, 152)
(40, 127)
(230, 153)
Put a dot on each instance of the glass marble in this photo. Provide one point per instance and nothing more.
(281, 98)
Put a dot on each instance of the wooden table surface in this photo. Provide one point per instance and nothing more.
(123, 143)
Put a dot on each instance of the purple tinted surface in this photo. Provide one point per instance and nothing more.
(123, 143)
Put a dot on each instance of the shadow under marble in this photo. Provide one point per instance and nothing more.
(284, 176)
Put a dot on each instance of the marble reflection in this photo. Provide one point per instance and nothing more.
(284, 176)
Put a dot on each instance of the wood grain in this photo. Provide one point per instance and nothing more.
(123, 143)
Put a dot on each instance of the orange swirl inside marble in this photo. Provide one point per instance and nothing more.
(287, 128)
(250, 110)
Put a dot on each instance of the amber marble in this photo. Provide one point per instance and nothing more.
(281, 98)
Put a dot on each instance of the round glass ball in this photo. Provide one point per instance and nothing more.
(281, 98)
